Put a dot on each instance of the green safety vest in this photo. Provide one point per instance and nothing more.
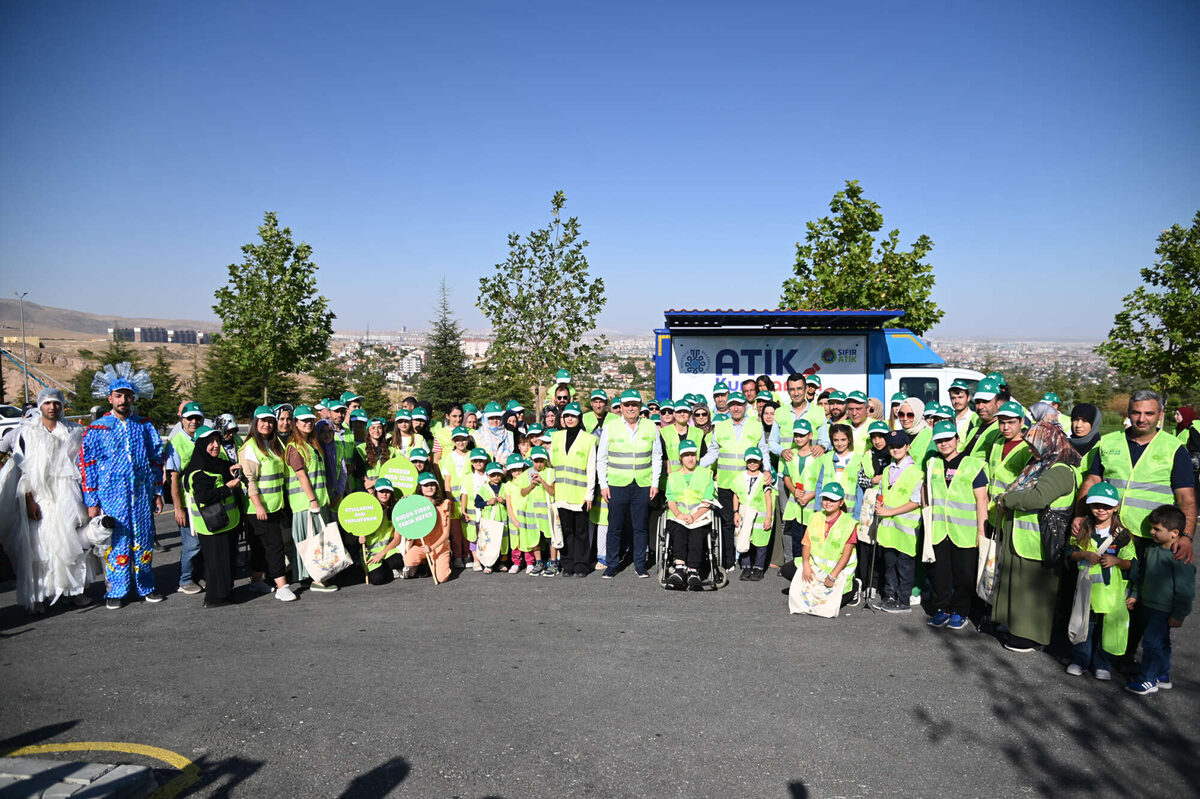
(630, 455)
(1186, 432)
(1027, 533)
(272, 472)
(953, 507)
(230, 503)
(862, 439)
(921, 449)
(533, 510)
(756, 499)
(570, 466)
(1109, 600)
(590, 421)
(731, 460)
(455, 473)
(1143, 487)
(344, 445)
(316, 476)
(826, 548)
(818, 471)
(185, 446)
(376, 541)
(671, 439)
(786, 419)
(1002, 473)
(792, 509)
(900, 532)
(688, 490)
(966, 425)
(983, 444)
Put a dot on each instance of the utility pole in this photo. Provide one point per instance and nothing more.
(24, 354)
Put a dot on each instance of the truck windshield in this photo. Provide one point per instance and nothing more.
(922, 388)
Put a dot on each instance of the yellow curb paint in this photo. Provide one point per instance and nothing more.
(189, 771)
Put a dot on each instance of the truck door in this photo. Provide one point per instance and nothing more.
(923, 384)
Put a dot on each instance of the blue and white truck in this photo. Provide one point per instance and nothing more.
(851, 350)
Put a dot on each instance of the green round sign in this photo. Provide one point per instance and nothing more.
(360, 513)
(414, 517)
(402, 474)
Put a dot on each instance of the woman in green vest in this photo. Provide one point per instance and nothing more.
(956, 493)
(214, 500)
(382, 547)
(1027, 588)
(830, 548)
(261, 459)
(911, 416)
(899, 513)
(308, 496)
(375, 452)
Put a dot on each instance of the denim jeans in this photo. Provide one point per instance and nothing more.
(1089, 653)
(630, 504)
(1156, 646)
(899, 571)
(188, 553)
(796, 532)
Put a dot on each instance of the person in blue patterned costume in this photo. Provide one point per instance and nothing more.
(121, 461)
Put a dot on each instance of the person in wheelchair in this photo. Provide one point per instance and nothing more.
(690, 496)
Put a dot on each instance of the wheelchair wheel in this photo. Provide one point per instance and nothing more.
(717, 574)
(660, 550)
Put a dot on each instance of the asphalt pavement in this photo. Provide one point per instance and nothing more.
(517, 686)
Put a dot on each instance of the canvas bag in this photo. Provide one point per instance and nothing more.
(489, 541)
(814, 598)
(322, 550)
(985, 573)
(742, 540)
(1081, 610)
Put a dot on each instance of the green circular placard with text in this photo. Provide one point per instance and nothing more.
(359, 513)
(402, 474)
(414, 517)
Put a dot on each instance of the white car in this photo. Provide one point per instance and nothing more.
(10, 417)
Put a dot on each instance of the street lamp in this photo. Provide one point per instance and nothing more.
(24, 356)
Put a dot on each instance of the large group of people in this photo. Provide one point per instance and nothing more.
(984, 511)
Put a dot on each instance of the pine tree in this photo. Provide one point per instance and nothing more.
(163, 408)
(329, 381)
(228, 386)
(447, 379)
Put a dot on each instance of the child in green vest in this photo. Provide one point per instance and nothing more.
(690, 494)
(383, 558)
(514, 502)
(489, 503)
(829, 552)
(1104, 549)
(470, 486)
(752, 491)
(795, 509)
(537, 493)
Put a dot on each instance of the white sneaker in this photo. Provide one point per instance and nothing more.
(407, 572)
(285, 594)
(396, 574)
(1103, 674)
(476, 566)
(1075, 670)
(260, 587)
(513, 569)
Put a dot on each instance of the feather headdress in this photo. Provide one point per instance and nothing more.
(117, 376)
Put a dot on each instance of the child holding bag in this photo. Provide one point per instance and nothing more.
(469, 487)
(753, 494)
(829, 558)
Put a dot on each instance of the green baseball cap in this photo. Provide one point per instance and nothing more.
(737, 397)
(656, 418)
(479, 454)
(378, 420)
(720, 417)
(1050, 396)
(813, 380)
(191, 409)
(631, 396)
(469, 408)
(493, 409)
(878, 427)
(383, 484)
(515, 461)
(514, 406)
(572, 409)
(539, 453)
(960, 385)
(204, 431)
(460, 432)
(997, 377)
(534, 430)
(943, 430)
(303, 412)
(562, 376)
(832, 490)
(265, 412)
(655, 403)
(802, 427)
(425, 478)
(856, 396)
(720, 388)
(419, 412)
(350, 396)
(403, 413)
(687, 445)
(836, 396)
(753, 454)
(1012, 410)
(493, 468)
(598, 394)
(1103, 494)
(681, 407)
(987, 389)
(359, 415)
(418, 454)
(898, 398)
(333, 405)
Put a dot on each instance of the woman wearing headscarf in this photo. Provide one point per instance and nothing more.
(911, 415)
(1085, 432)
(875, 408)
(1185, 419)
(212, 482)
(1037, 507)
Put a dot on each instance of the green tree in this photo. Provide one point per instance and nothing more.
(1154, 334)
(227, 385)
(369, 378)
(501, 386)
(446, 378)
(114, 352)
(542, 302)
(841, 265)
(272, 318)
(329, 380)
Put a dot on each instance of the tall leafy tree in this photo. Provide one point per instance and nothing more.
(1154, 336)
(447, 378)
(227, 385)
(272, 318)
(841, 265)
(369, 378)
(542, 301)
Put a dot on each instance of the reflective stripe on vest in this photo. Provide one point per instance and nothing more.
(630, 455)
(826, 551)
(1002, 473)
(953, 507)
(1142, 487)
(230, 502)
(272, 473)
(1027, 533)
(570, 468)
(900, 532)
(731, 455)
(297, 500)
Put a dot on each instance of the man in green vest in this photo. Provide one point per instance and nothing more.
(965, 419)
(628, 465)
(985, 433)
(730, 439)
(856, 416)
(594, 419)
(343, 439)
(720, 395)
(835, 413)
(177, 456)
(353, 402)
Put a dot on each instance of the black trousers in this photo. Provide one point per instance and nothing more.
(728, 531)
(576, 555)
(899, 571)
(382, 574)
(271, 536)
(219, 551)
(954, 577)
(688, 545)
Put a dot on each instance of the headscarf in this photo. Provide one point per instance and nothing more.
(335, 475)
(917, 407)
(1189, 415)
(874, 408)
(1043, 412)
(201, 461)
(1050, 447)
(1091, 414)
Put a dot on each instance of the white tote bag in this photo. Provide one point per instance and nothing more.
(1081, 609)
(322, 550)
(489, 541)
(985, 574)
(815, 598)
(742, 539)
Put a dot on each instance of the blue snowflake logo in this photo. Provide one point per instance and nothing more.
(829, 355)
(695, 362)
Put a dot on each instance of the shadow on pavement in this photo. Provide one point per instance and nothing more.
(1134, 743)
(36, 736)
(218, 777)
(379, 781)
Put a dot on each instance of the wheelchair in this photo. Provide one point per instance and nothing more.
(712, 576)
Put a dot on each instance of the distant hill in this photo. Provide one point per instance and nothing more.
(62, 319)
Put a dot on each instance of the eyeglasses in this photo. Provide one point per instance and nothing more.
(699, 413)
(906, 416)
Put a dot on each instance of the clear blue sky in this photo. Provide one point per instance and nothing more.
(1036, 143)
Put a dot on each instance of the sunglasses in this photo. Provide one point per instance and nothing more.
(906, 416)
